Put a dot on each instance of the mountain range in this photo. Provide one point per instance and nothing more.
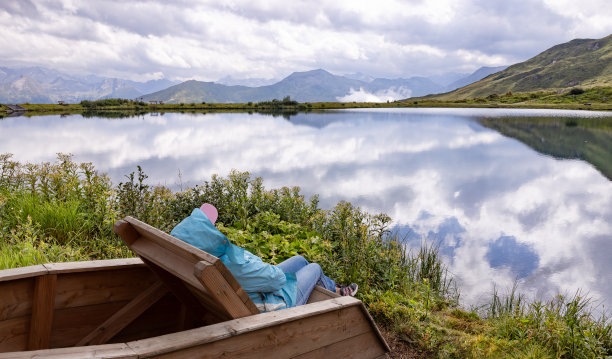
(312, 86)
(580, 62)
(308, 86)
(43, 85)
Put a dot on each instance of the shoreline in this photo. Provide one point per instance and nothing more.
(37, 109)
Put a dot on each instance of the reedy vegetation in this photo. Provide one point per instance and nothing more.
(64, 211)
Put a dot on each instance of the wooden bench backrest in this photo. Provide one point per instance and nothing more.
(200, 280)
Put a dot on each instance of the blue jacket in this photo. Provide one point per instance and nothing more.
(267, 285)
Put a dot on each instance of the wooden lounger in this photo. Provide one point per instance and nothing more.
(191, 307)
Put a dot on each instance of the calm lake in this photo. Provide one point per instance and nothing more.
(508, 194)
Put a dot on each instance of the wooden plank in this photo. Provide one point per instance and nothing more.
(14, 334)
(42, 312)
(234, 327)
(235, 286)
(174, 245)
(126, 232)
(122, 318)
(221, 290)
(319, 293)
(365, 312)
(280, 341)
(95, 265)
(366, 346)
(169, 261)
(109, 351)
(22, 272)
(76, 289)
(16, 298)
(70, 324)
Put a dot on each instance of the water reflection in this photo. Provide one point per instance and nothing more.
(499, 209)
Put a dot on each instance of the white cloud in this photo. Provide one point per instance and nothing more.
(589, 18)
(270, 39)
(390, 94)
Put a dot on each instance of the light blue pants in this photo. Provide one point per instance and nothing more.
(308, 275)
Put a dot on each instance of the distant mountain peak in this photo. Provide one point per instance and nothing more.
(37, 84)
(310, 73)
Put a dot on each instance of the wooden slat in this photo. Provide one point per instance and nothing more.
(14, 334)
(374, 326)
(122, 318)
(169, 261)
(170, 243)
(70, 324)
(22, 272)
(365, 346)
(88, 288)
(16, 298)
(242, 294)
(95, 265)
(109, 351)
(225, 295)
(234, 327)
(279, 341)
(42, 312)
(318, 294)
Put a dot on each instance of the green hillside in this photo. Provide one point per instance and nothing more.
(581, 62)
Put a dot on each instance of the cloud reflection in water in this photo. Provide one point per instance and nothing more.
(499, 209)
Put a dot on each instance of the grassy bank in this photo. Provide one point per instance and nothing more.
(63, 211)
(597, 98)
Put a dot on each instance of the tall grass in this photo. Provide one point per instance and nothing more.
(563, 327)
(428, 267)
(506, 305)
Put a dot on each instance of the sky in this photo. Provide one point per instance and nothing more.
(270, 39)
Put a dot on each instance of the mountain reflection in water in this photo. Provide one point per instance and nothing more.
(499, 208)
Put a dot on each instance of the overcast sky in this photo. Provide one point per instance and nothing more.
(208, 40)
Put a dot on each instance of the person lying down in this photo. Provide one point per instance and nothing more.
(271, 287)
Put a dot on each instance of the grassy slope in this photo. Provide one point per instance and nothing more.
(580, 62)
(594, 98)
